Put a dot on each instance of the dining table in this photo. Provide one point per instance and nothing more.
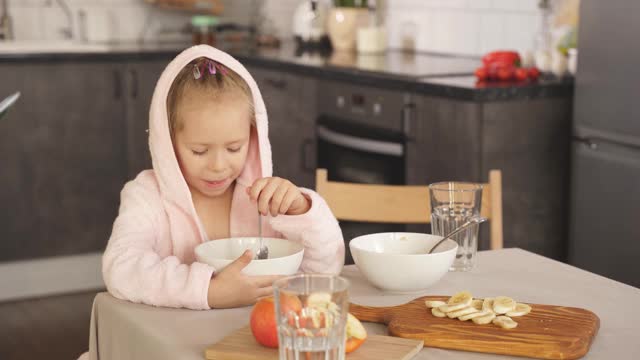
(125, 331)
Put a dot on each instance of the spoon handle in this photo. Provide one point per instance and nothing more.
(260, 228)
(473, 220)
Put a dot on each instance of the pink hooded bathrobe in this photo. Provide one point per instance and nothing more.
(150, 256)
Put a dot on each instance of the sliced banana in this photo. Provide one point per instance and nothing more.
(503, 304)
(434, 303)
(319, 299)
(461, 312)
(463, 297)
(487, 304)
(437, 313)
(481, 311)
(458, 301)
(474, 315)
(505, 322)
(520, 310)
(483, 320)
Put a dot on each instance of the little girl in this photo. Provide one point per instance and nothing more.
(211, 175)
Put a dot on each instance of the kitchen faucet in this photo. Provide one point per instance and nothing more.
(6, 28)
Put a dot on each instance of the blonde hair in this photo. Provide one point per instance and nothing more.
(224, 81)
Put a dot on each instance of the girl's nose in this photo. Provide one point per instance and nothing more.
(217, 162)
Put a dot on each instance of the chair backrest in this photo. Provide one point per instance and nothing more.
(404, 204)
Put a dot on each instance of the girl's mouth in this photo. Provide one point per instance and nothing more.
(215, 184)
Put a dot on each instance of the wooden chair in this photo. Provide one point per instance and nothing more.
(404, 204)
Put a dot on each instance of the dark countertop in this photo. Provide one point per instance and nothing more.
(467, 87)
(423, 73)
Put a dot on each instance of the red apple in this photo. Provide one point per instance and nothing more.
(263, 318)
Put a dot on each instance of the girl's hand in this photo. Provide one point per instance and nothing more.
(231, 288)
(278, 196)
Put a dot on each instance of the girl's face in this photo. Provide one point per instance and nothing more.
(213, 140)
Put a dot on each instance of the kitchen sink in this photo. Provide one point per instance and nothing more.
(53, 46)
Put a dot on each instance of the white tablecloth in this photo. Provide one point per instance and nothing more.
(122, 330)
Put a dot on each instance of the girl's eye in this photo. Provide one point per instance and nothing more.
(233, 150)
(199, 153)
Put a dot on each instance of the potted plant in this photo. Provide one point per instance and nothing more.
(344, 19)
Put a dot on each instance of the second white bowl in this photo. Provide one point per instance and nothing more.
(398, 262)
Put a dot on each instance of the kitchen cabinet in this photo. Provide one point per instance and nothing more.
(291, 108)
(443, 136)
(530, 142)
(527, 139)
(140, 78)
(63, 158)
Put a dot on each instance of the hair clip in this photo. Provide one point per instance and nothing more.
(196, 72)
(222, 69)
(210, 65)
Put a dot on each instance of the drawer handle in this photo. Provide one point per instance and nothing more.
(360, 144)
(307, 155)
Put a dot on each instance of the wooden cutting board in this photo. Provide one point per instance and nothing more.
(240, 345)
(547, 332)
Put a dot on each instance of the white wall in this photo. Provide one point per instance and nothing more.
(107, 20)
(463, 26)
(448, 26)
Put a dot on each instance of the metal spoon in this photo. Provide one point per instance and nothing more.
(263, 251)
(473, 220)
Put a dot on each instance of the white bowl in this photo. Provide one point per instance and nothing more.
(398, 262)
(284, 256)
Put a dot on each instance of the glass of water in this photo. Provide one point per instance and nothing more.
(311, 315)
(452, 204)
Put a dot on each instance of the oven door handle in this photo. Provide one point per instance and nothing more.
(360, 144)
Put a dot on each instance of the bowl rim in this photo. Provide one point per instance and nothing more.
(300, 246)
(439, 253)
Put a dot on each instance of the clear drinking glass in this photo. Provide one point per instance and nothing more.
(311, 315)
(452, 204)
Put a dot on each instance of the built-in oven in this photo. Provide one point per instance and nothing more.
(361, 139)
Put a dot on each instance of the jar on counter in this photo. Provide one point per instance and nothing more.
(203, 29)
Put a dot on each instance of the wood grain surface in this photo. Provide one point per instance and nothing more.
(240, 345)
(547, 332)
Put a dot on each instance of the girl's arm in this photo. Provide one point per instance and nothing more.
(133, 269)
(318, 231)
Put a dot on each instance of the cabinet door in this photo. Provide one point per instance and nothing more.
(140, 79)
(63, 158)
(529, 141)
(444, 141)
(443, 145)
(291, 106)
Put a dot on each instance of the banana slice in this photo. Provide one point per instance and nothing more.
(520, 310)
(434, 303)
(487, 304)
(477, 304)
(319, 299)
(458, 301)
(483, 320)
(461, 312)
(474, 315)
(437, 313)
(505, 322)
(503, 304)
(463, 297)
(450, 308)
